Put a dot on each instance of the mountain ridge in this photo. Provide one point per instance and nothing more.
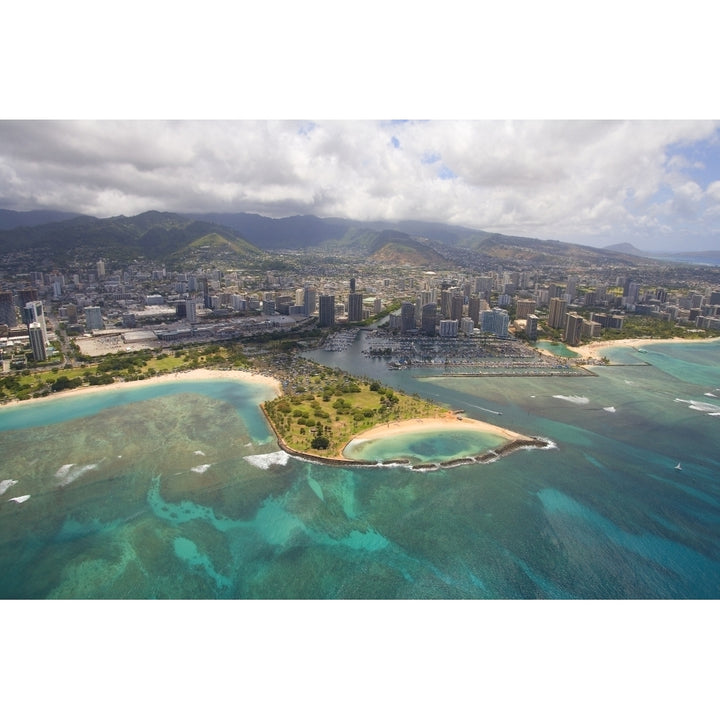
(157, 234)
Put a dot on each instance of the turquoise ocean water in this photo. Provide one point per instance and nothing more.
(180, 491)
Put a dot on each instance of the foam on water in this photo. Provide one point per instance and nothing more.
(19, 499)
(704, 407)
(575, 399)
(6, 485)
(66, 474)
(266, 460)
(198, 452)
(200, 468)
(610, 409)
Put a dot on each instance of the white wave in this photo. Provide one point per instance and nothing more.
(198, 452)
(64, 470)
(265, 460)
(6, 485)
(199, 468)
(66, 474)
(576, 399)
(710, 395)
(709, 408)
(19, 499)
(610, 409)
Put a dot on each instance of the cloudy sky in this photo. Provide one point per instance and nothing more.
(655, 184)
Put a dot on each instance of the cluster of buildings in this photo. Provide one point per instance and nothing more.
(144, 303)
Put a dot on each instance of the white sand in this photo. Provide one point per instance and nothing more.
(197, 374)
(594, 349)
(404, 427)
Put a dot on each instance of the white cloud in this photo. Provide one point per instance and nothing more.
(582, 181)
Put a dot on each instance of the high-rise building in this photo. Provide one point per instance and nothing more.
(496, 321)
(449, 328)
(327, 311)
(474, 309)
(524, 308)
(204, 287)
(309, 300)
(191, 311)
(93, 318)
(7, 309)
(355, 307)
(571, 289)
(556, 318)
(26, 295)
(37, 342)
(429, 318)
(456, 307)
(445, 303)
(32, 312)
(531, 325)
(573, 328)
(407, 316)
(100, 267)
(352, 285)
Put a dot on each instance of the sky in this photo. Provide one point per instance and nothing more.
(513, 117)
(655, 184)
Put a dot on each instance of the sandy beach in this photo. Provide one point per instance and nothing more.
(196, 374)
(595, 349)
(404, 427)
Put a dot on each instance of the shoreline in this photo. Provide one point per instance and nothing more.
(406, 427)
(194, 374)
(513, 441)
(589, 351)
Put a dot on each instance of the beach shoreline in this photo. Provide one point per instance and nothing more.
(173, 377)
(592, 349)
(440, 424)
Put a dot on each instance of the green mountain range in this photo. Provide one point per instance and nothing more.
(176, 239)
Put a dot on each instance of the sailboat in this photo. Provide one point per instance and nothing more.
(678, 467)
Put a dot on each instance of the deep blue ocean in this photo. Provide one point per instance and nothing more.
(180, 491)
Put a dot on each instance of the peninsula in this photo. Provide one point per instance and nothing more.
(329, 411)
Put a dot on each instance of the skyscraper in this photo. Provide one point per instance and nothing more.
(37, 343)
(474, 309)
(456, 307)
(355, 306)
(7, 309)
(429, 317)
(556, 318)
(531, 327)
(32, 312)
(524, 308)
(407, 316)
(327, 311)
(573, 328)
(191, 311)
(309, 300)
(93, 318)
